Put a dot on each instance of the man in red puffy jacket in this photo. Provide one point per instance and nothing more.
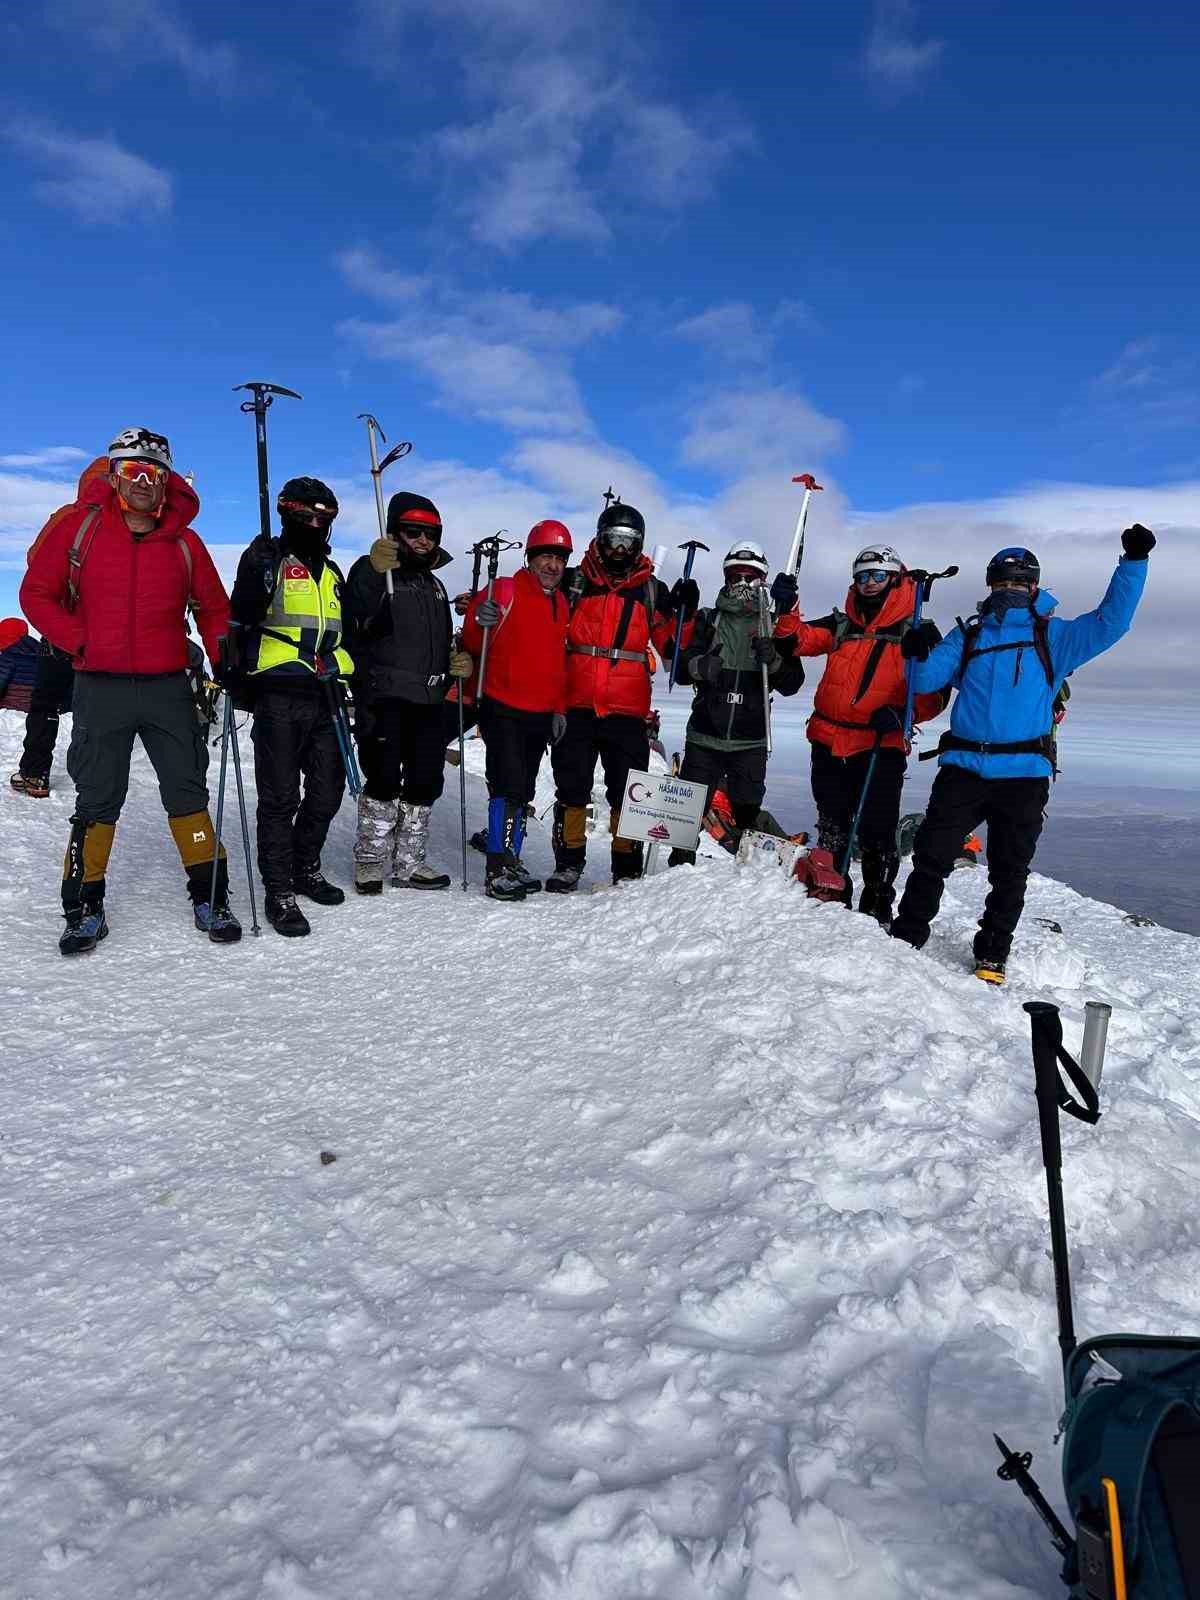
(523, 705)
(859, 704)
(110, 581)
(620, 613)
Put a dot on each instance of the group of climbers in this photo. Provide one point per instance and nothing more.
(556, 658)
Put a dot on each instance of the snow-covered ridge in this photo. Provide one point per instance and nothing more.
(684, 1240)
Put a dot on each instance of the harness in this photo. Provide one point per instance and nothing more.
(844, 628)
(1044, 745)
(629, 605)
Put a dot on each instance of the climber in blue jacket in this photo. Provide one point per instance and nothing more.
(995, 764)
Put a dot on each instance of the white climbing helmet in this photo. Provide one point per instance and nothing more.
(747, 554)
(139, 444)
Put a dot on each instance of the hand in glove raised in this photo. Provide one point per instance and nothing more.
(685, 596)
(558, 726)
(384, 555)
(919, 641)
(766, 652)
(707, 669)
(461, 664)
(785, 591)
(487, 613)
(1137, 542)
(886, 719)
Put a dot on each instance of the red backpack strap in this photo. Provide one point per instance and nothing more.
(80, 545)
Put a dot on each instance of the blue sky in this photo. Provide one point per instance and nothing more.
(943, 255)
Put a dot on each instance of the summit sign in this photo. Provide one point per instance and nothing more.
(662, 809)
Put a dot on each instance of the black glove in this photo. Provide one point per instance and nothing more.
(785, 591)
(685, 595)
(766, 651)
(707, 669)
(886, 719)
(1138, 542)
(919, 641)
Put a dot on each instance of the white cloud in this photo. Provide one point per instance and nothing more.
(54, 455)
(732, 430)
(500, 355)
(563, 123)
(735, 331)
(363, 270)
(895, 61)
(25, 504)
(1151, 386)
(96, 179)
(141, 33)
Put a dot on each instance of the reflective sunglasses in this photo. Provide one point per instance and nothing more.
(875, 575)
(420, 530)
(148, 472)
(315, 516)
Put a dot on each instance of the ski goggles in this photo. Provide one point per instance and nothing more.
(314, 516)
(621, 538)
(872, 575)
(147, 472)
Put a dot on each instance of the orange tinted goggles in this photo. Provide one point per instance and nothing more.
(140, 472)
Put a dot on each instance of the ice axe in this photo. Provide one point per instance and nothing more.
(796, 553)
(491, 548)
(691, 546)
(264, 396)
(378, 468)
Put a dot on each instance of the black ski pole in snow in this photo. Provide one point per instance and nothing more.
(1015, 1469)
(264, 394)
(477, 552)
(378, 468)
(925, 582)
(229, 735)
(691, 547)
(491, 548)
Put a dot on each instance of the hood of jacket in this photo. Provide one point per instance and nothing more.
(180, 506)
(897, 605)
(596, 572)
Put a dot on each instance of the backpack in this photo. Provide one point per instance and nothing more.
(1131, 1427)
(82, 542)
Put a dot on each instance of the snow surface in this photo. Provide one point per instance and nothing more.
(686, 1240)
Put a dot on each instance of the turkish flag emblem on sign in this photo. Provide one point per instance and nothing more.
(293, 569)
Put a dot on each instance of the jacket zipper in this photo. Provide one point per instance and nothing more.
(133, 566)
(1017, 666)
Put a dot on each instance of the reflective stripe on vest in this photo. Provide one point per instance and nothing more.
(304, 622)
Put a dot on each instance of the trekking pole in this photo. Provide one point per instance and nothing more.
(237, 772)
(925, 582)
(1015, 1469)
(229, 734)
(341, 726)
(378, 468)
(1053, 1095)
(264, 395)
(796, 553)
(691, 546)
(477, 553)
(491, 548)
(764, 632)
(225, 726)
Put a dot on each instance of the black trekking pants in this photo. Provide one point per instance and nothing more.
(837, 786)
(515, 744)
(294, 737)
(743, 773)
(620, 742)
(110, 713)
(402, 750)
(53, 689)
(1014, 810)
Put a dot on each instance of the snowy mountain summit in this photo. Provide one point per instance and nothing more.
(684, 1240)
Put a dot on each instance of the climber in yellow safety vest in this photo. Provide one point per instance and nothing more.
(286, 610)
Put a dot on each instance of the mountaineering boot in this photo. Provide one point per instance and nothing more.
(682, 858)
(879, 869)
(528, 882)
(564, 879)
(989, 971)
(410, 870)
(312, 883)
(85, 928)
(373, 842)
(478, 841)
(627, 854)
(35, 786)
(502, 880)
(285, 916)
(217, 920)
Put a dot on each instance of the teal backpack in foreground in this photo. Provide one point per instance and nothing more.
(1131, 1428)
